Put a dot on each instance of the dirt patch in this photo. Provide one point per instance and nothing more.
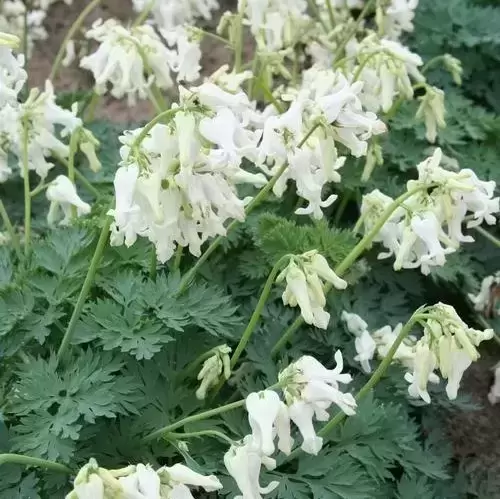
(476, 435)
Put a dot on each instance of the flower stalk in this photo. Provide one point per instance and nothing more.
(10, 230)
(33, 461)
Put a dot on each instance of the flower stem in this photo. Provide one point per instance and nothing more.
(238, 49)
(374, 379)
(342, 268)
(191, 419)
(79, 176)
(355, 27)
(33, 461)
(153, 264)
(202, 433)
(313, 6)
(261, 196)
(73, 144)
(87, 284)
(27, 189)
(142, 17)
(70, 34)
(488, 236)
(10, 230)
(254, 320)
(178, 257)
(431, 63)
(91, 108)
(247, 334)
(331, 14)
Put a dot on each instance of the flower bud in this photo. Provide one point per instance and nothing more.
(215, 366)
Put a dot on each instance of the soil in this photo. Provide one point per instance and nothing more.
(475, 435)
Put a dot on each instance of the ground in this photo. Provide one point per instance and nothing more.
(476, 435)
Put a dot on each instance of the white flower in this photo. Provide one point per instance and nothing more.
(186, 60)
(494, 393)
(398, 18)
(387, 68)
(12, 74)
(482, 301)
(144, 483)
(175, 480)
(424, 365)
(310, 389)
(179, 189)
(243, 462)
(263, 409)
(432, 111)
(212, 369)
(63, 196)
(354, 323)
(365, 347)
(128, 60)
(453, 362)
(93, 489)
(304, 275)
(454, 66)
(169, 14)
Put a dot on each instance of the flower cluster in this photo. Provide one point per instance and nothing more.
(428, 226)
(386, 68)
(139, 482)
(397, 18)
(447, 344)
(309, 390)
(325, 111)
(131, 60)
(178, 187)
(304, 276)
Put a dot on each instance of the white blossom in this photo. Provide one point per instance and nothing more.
(386, 69)
(176, 480)
(304, 278)
(310, 389)
(483, 300)
(169, 14)
(429, 227)
(432, 111)
(63, 197)
(243, 461)
(494, 393)
(213, 368)
(398, 17)
(423, 367)
(129, 60)
(354, 323)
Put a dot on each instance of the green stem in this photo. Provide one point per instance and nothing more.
(153, 264)
(247, 334)
(373, 381)
(251, 206)
(488, 236)
(164, 115)
(87, 284)
(342, 206)
(10, 229)
(316, 13)
(39, 188)
(431, 63)
(269, 95)
(251, 81)
(142, 17)
(202, 433)
(178, 257)
(331, 14)
(79, 176)
(362, 65)
(27, 189)
(73, 144)
(238, 48)
(191, 419)
(33, 461)
(355, 27)
(70, 34)
(193, 366)
(90, 112)
(342, 268)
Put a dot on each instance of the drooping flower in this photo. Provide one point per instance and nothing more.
(243, 461)
(304, 277)
(212, 370)
(397, 18)
(310, 389)
(432, 111)
(175, 482)
(63, 197)
(485, 301)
